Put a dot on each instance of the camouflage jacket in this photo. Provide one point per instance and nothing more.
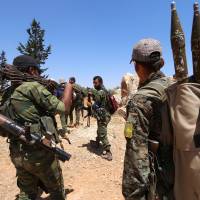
(143, 123)
(80, 93)
(29, 102)
(100, 107)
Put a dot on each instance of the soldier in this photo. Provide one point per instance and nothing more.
(77, 103)
(143, 124)
(60, 90)
(31, 103)
(103, 116)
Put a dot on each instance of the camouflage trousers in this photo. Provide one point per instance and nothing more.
(77, 114)
(136, 174)
(36, 168)
(102, 135)
(143, 177)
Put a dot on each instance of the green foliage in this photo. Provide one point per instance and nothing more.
(3, 83)
(35, 46)
(3, 59)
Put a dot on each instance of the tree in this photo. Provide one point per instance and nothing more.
(3, 82)
(3, 59)
(35, 46)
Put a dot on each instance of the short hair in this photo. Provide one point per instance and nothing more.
(72, 79)
(154, 66)
(99, 78)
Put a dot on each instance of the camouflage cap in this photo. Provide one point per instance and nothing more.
(147, 50)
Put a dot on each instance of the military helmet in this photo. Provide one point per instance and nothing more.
(147, 51)
(25, 61)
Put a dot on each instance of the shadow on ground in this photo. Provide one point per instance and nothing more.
(93, 148)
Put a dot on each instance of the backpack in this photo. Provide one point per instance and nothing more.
(112, 104)
(182, 131)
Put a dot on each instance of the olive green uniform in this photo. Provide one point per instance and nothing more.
(28, 103)
(102, 115)
(77, 103)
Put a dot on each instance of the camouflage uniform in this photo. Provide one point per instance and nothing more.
(77, 104)
(142, 179)
(28, 103)
(102, 115)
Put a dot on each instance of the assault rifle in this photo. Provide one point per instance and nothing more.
(11, 128)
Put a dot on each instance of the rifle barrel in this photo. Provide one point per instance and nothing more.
(19, 132)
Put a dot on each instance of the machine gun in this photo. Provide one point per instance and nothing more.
(23, 134)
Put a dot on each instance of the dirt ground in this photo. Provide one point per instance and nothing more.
(91, 177)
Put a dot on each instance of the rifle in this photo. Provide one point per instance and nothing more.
(11, 73)
(23, 134)
(89, 109)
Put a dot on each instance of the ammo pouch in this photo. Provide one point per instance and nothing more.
(45, 127)
(48, 128)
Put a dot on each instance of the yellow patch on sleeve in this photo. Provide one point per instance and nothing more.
(128, 131)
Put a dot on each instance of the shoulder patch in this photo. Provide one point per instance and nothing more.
(128, 130)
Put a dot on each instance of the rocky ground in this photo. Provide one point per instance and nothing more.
(91, 177)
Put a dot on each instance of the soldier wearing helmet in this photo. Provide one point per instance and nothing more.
(143, 123)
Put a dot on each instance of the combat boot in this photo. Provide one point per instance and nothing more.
(95, 144)
(107, 155)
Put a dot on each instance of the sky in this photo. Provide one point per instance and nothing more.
(93, 37)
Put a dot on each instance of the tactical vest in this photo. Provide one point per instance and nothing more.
(156, 88)
(164, 161)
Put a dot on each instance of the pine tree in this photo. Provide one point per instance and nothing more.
(35, 46)
(3, 59)
(3, 83)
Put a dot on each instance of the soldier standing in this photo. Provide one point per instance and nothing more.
(143, 124)
(77, 103)
(31, 103)
(103, 116)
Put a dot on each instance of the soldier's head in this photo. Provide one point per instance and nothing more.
(72, 80)
(27, 64)
(147, 58)
(97, 82)
(62, 82)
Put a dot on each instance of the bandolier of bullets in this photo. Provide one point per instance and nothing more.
(178, 45)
